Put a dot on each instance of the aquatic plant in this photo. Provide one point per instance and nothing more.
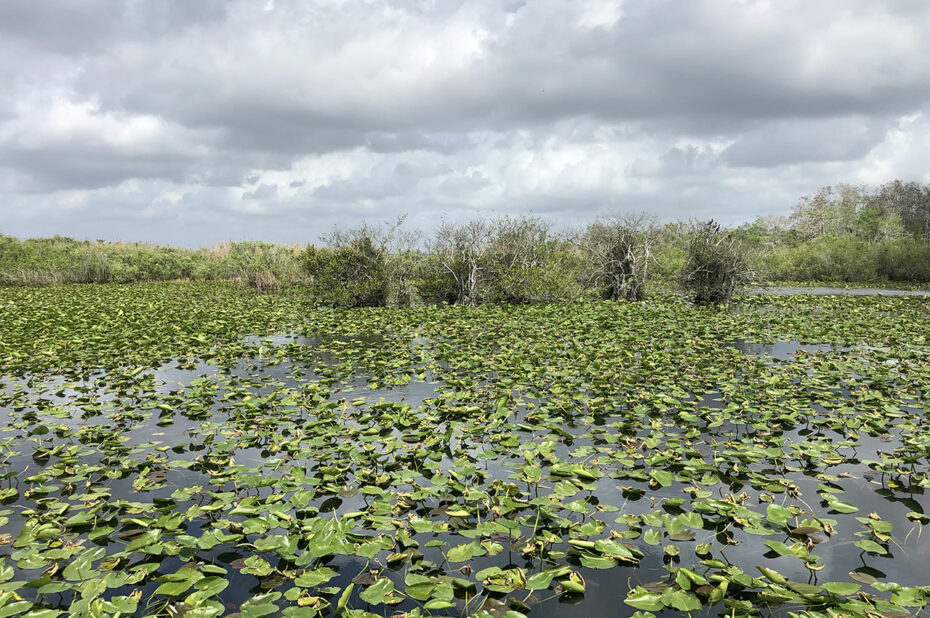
(186, 449)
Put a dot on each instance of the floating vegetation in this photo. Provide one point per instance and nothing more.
(189, 450)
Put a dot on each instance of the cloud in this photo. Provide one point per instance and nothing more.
(800, 141)
(243, 117)
(262, 192)
(58, 144)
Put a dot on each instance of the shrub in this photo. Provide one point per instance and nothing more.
(435, 284)
(363, 270)
(264, 267)
(404, 268)
(509, 259)
(261, 279)
(525, 262)
(617, 255)
(826, 258)
(459, 262)
(351, 274)
(717, 266)
(905, 259)
(65, 260)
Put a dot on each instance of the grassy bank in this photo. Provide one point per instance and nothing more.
(57, 260)
(901, 263)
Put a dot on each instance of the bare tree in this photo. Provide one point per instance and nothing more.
(617, 254)
(460, 249)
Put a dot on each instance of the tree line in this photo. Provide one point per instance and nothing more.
(848, 233)
(843, 233)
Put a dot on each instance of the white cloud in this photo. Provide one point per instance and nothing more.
(213, 120)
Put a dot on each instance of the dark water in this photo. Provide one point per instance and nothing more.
(605, 590)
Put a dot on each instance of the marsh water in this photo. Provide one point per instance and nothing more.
(174, 455)
(819, 290)
(605, 589)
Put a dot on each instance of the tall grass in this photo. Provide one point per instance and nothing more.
(50, 261)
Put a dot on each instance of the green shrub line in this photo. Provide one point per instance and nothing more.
(49, 261)
(846, 235)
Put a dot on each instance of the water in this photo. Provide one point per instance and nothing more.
(209, 404)
(782, 350)
(834, 291)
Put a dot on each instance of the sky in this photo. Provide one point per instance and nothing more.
(191, 122)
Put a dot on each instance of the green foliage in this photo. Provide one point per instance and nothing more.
(262, 266)
(434, 283)
(59, 260)
(508, 259)
(352, 274)
(903, 260)
(909, 202)
(843, 233)
(404, 267)
(826, 258)
(459, 268)
(849, 259)
(525, 262)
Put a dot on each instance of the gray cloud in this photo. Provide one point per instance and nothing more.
(255, 118)
(799, 141)
(262, 192)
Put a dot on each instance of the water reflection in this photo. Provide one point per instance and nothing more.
(782, 350)
(834, 291)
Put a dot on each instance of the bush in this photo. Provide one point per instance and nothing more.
(617, 255)
(363, 269)
(826, 258)
(509, 259)
(352, 274)
(458, 265)
(905, 259)
(404, 268)
(64, 260)
(264, 267)
(261, 279)
(435, 284)
(525, 262)
(717, 266)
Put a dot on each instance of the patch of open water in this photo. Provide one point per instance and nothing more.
(834, 291)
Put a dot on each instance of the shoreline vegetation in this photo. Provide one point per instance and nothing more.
(840, 235)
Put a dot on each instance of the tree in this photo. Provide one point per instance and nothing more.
(617, 255)
(524, 262)
(351, 271)
(460, 251)
(830, 211)
(717, 265)
(911, 202)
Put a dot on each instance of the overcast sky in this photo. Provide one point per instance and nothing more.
(194, 121)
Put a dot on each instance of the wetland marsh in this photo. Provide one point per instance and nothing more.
(187, 449)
